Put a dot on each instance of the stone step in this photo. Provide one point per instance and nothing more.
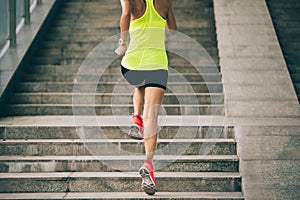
(118, 182)
(29, 164)
(208, 32)
(283, 1)
(192, 5)
(71, 147)
(78, 61)
(280, 11)
(108, 21)
(95, 25)
(291, 60)
(58, 38)
(208, 42)
(82, 45)
(76, 55)
(194, 24)
(86, 8)
(292, 52)
(296, 78)
(176, 3)
(90, 9)
(191, 31)
(109, 87)
(126, 195)
(289, 43)
(113, 15)
(111, 132)
(284, 4)
(285, 17)
(294, 69)
(106, 109)
(114, 11)
(107, 77)
(288, 39)
(69, 52)
(63, 53)
(114, 68)
(107, 31)
(286, 23)
(111, 98)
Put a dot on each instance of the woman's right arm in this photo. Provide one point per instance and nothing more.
(124, 27)
(125, 18)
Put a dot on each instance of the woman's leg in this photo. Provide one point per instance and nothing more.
(136, 128)
(138, 100)
(153, 101)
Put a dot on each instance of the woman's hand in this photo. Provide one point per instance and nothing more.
(121, 50)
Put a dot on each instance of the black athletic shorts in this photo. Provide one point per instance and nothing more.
(146, 78)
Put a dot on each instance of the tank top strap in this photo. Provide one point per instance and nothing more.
(150, 8)
(149, 4)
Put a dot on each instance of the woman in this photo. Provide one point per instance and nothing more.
(145, 65)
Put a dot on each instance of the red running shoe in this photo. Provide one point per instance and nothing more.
(136, 128)
(147, 174)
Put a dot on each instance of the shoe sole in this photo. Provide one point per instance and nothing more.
(147, 183)
(134, 132)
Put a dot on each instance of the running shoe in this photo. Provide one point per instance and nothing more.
(136, 128)
(148, 180)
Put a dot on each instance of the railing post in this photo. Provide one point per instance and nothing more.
(12, 23)
(27, 11)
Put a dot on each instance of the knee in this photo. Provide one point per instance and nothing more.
(152, 113)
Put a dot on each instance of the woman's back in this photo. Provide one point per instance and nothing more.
(138, 8)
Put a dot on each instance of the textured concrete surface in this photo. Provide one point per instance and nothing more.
(255, 76)
(257, 86)
(269, 162)
(124, 195)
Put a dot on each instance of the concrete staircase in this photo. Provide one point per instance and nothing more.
(45, 156)
(286, 19)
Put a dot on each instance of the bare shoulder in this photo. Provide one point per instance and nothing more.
(168, 3)
(165, 3)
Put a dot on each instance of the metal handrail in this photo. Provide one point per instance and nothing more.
(12, 37)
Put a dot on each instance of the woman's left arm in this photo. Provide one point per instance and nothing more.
(171, 22)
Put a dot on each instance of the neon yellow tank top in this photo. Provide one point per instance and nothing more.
(146, 50)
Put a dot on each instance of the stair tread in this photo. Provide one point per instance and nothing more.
(120, 158)
(118, 74)
(85, 141)
(114, 82)
(111, 105)
(109, 94)
(124, 195)
(88, 121)
(53, 175)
